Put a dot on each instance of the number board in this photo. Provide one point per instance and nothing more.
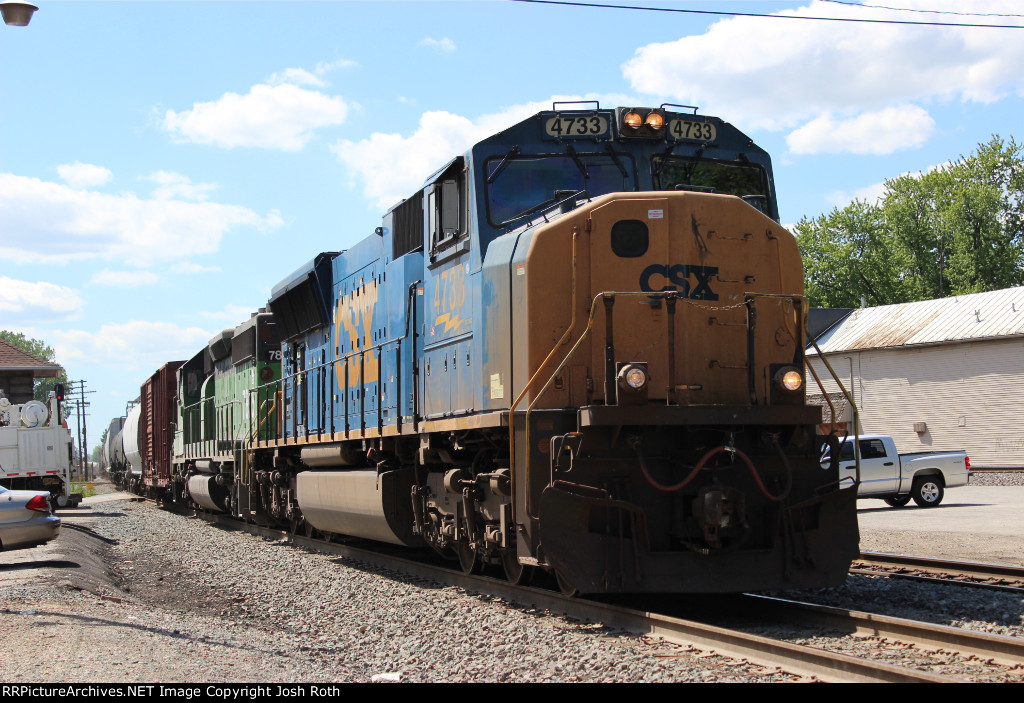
(577, 125)
(692, 130)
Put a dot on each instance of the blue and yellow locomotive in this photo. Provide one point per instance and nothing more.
(578, 348)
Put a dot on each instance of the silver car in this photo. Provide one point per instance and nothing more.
(26, 519)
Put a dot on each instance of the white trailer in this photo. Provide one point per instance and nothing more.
(35, 450)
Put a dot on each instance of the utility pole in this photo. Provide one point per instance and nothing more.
(83, 436)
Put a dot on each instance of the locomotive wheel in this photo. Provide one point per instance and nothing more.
(897, 502)
(519, 574)
(468, 559)
(565, 586)
(309, 529)
(295, 524)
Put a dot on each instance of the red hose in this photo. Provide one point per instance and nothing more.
(700, 465)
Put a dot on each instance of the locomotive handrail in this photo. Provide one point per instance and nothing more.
(569, 355)
(536, 374)
(671, 295)
(796, 336)
(303, 376)
(849, 399)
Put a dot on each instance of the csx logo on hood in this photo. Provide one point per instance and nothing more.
(678, 279)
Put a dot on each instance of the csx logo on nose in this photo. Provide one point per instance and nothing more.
(679, 276)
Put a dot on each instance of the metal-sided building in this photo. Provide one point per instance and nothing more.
(935, 374)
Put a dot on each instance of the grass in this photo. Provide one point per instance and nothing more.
(85, 489)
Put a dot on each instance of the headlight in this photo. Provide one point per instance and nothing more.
(789, 379)
(636, 379)
(633, 377)
(641, 123)
(631, 383)
(633, 119)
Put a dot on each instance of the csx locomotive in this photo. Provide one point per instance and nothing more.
(578, 348)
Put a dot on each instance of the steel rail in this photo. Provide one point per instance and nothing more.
(1003, 650)
(1003, 577)
(792, 658)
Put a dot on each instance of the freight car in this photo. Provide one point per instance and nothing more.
(578, 348)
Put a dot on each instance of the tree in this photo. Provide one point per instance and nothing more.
(97, 451)
(41, 386)
(954, 230)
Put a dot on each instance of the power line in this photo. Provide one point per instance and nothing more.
(914, 9)
(777, 17)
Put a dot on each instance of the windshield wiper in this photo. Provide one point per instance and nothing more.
(576, 160)
(560, 198)
(615, 159)
(513, 153)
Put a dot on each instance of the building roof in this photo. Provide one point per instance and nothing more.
(14, 359)
(820, 320)
(997, 314)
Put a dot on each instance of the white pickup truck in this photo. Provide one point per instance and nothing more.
(896, 478)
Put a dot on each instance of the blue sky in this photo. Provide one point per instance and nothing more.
(164, 164)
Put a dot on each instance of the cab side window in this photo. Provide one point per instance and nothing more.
(872, 449)
(447, 208)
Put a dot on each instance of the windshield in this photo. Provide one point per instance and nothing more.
(743, 180)
(524, 184)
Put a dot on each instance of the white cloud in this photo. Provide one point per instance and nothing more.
(187, 267)
(315, 78)
(130, 345)
(27, 302)
(444, 45)
(282, 116)
(79, 175)
(882, 132)
(124, 279)
(174, 185)
(52, 223)
(393, 166)
(775, 74)
(232, 314)
(296, 76)
(871, 194)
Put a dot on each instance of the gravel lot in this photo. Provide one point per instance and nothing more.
(129, 593)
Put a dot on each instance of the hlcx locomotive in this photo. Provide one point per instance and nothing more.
(579, 348)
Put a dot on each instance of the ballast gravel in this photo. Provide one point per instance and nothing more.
(133, 594)
(187, 602)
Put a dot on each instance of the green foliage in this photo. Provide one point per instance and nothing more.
(36, 347)
(98, 449)
(88, 490)
(954, 230)
(41, 386)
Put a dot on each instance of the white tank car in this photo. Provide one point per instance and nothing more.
(130, 436)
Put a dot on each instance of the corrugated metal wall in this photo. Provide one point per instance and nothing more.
(970, 395)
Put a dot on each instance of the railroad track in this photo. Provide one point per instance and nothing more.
(995, 576)
(814, 663)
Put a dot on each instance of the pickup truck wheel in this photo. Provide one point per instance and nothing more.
(927, 492)
(897, 502)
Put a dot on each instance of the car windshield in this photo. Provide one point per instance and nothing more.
(521, 185)
(680, 173)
